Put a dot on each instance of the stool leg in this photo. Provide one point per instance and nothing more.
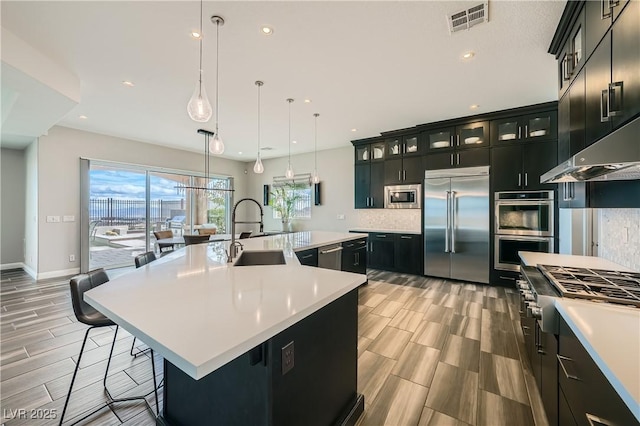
(75, 372)
(155, 385)
(113, 344)
(132, 346)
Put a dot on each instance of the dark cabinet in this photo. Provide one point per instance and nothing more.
(625, 64)
(403, 146)
(408, 253)
(354, 256)
(369, 185)
(519, 167)
(590, 397)
(369, 152)
(597, 81)
(573, 55)
(471, 135)
(535, 127)
(381, 251)
(403, 170)
(457, 158)
(308, 257)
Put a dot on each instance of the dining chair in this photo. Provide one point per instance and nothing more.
(207, 231)
(195, 239)
(88, 315)
(162, 235)
(244, 235)
(141, 260)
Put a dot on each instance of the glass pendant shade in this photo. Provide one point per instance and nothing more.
(258, 167)
(199, 107)
(289, 173)
(216, 146)
(316, 178)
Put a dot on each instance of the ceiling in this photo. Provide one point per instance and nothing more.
(371, 66)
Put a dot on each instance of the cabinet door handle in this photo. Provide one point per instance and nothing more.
(458, 159)
(404, 237)
(519, 132)
(451, 143)
(400, 175)
(564, 370)
(615, 89)
(333, 250)
(565, 191)
(519, 180)
(604, 105)
(597, 421)
(451, 156)
(404, 175)
(381, 236)
(458, 140)
(357, 262)
(526, 180)
(526, 131)
(307, 256)
(404, 148)
(373, 202)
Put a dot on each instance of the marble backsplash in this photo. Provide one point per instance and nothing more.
(619, 236)
(400, 219)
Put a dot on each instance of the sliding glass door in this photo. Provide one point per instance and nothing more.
(124, 206)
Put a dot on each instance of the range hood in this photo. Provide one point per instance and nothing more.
(614, 157)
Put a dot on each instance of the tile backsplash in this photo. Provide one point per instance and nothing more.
(619, 236)
(400, 219)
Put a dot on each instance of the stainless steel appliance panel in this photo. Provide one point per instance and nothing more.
(469, 239)
(402, 197)
(508, 246)
(436, 227)
(524, 213)
(330, 257)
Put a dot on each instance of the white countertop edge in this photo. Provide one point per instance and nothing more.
(199, 371)
(348, 237)
(390, 231)
(619, 387)
(568, 260)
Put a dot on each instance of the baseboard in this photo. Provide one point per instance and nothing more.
(16, 265)
(32, 272)
(59, 273)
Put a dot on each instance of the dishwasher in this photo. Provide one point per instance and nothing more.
(330, 257)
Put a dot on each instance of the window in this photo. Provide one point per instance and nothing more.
(293, 196)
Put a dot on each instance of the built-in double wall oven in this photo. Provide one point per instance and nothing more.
(524, 221)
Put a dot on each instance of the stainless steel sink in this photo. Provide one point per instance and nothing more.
(266, 257)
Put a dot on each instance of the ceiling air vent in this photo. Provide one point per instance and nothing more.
(468, 18)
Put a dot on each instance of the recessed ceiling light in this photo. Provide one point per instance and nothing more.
(294, 141)
(128, 83)
(266, 30)
(196, 35)
(354, 130)
(468, 55)
(240, 152)
(474, 106)
(307, 101)
(82, 117)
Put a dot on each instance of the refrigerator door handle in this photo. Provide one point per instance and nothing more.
(446, 231)
(453, 221)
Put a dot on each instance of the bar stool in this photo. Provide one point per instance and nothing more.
(88, 315)
(195, 239)
(141, 260)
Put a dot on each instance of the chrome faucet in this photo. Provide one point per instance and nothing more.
(233, 250)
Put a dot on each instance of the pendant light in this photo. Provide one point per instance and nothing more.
(289, 173)
(216, 146)
(199, 107)
(258, 167)
(316, 178)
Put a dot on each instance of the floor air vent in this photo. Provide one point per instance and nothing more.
(468, 18)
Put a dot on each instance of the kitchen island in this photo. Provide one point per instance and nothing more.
(272, 344)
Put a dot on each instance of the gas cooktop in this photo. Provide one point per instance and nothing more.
(595, 284)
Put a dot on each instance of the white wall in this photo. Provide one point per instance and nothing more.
(59, 184)
(335, 167)
(13, 204)
(31, 209)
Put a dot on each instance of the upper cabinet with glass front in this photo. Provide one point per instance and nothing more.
(370, 152)
(533, 127)
(402, 146)
(472, 135)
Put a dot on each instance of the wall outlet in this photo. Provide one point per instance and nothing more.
(287, 358)
(68, 218)
(72, 258)
(53, 219)
(340, 216)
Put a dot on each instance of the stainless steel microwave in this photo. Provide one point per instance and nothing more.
(402, 197)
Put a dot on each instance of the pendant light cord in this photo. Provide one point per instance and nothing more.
(258, 84)
(200, 69)
(289, 100)
(315, 144)
(217, 71)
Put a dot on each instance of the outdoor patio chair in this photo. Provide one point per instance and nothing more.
(162, 235)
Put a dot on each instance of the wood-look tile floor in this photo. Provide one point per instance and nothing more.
(431, 352)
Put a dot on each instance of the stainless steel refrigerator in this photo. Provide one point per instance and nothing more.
(456, 224)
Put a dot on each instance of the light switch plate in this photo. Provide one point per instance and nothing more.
(68, 218)
(53, 219)
(340, 217)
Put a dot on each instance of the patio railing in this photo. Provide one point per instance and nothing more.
(114, 212)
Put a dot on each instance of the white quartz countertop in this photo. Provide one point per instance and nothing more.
(534, 259)
(391, 231)
(199, 312)
(611, 335)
